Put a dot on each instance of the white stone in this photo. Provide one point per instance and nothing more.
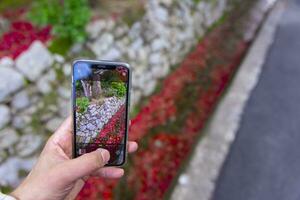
(135, 30)
(155, 58)
(28, 144)
(6, 62)
(95, 28)
(4, 115)
(59, 58)
(34, 61)
(159, 44)
(19, 121)
(64, 92)
(11, 81)
(67, 69)
(8, 137)
(183, 179)
(149, 87)
(10, 168)
(112, 54)
(102, 44)
(20, 100)
(44, 83)
(54, 123)
(161, 14)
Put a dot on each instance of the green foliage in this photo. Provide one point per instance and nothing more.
(118, 88)
(68, 18)
(82, 103)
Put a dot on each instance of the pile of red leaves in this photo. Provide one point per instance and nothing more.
(19, 38)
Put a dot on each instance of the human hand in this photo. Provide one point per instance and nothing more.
(56, 176)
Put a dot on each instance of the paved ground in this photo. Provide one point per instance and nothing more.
(199, 178)
(264, 160)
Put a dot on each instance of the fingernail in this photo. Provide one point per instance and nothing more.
(105, 154)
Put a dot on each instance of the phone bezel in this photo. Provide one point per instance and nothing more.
(102, 63)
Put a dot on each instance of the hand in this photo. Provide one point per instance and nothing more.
(57, 176)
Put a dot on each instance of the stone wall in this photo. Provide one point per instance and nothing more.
(35, 88)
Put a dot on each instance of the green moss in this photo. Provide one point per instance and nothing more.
(132, 16)
(13, 4)
(6, 189)
(22, 173)
(60, 45)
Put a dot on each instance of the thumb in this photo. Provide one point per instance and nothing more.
(83, 166)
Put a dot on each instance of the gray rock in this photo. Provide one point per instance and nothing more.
(149, 87)
(19, 121)
(67, 69)
(44, 83)
(11, 81)
(161, 14)
(64, 92)
(112, 54)
(6, 62)
(54, 123)
(91, 127)
(59, 58)
(95, 28)
(135, 30)
(4, 115)
(155, 58)
(28, 145)
(8, 137)
(10, 168)
(34, 61)
(102, 44)
(20, 100)
(159, 44)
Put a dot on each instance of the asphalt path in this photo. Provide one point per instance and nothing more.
(264, 160)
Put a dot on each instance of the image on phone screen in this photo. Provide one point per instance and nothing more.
(100, 103)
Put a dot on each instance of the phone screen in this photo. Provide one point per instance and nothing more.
(100, 103)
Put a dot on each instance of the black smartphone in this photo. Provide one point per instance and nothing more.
(100, 96)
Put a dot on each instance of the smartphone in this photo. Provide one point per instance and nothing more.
(100, 96)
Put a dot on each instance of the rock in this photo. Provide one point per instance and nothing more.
(3, 156)
(28, 144)
(137, 44)
(67, 69)
(54, 123)
(161, 14)
(20, 100)
(90, 127)
(44, 83)
(34, 61)
(58, 58)
(64, 107)
(64, 92)
(155, 58)
(112, 54)
(4, 115)
(159, 44)
(102, 44)
(10, 168)
(135, 97)
(149, 87)
(11, 81)
(94, 28)
(19, 121)
(120, 31)
(6, 62)
(135, 30)
(76, 48)
(8, 137)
